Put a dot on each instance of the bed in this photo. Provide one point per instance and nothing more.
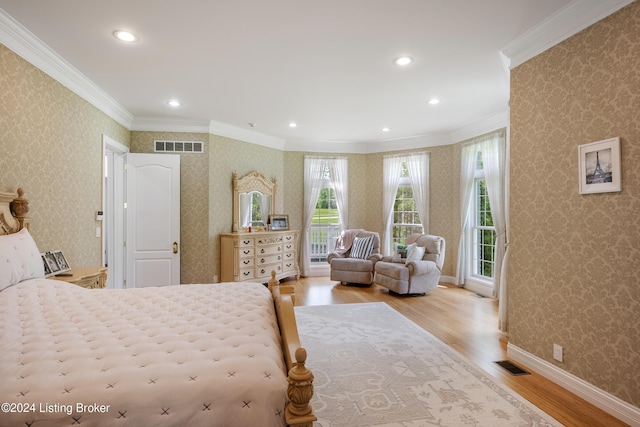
(224, 354)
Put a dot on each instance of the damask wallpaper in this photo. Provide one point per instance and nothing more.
(574, 271)
(574, 258)
(51, 145)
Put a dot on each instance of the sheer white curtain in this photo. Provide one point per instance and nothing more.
(392, 170)
(494, 157)
(314, 169)
(339, 177)
(493, 147)
(418, 165)
(467, 174)
(313, 172)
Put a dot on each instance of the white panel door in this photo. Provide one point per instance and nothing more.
(153, 220)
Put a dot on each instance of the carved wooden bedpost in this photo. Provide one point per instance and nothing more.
(300, 392)
(20, 208)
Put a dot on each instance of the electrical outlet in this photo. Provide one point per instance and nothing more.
(557, 352)
(215, 279)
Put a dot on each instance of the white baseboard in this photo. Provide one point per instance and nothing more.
(603, 400)
(448, 279)
(319, 270)
(478, 287)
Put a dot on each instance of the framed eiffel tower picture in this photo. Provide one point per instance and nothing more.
(599, 165)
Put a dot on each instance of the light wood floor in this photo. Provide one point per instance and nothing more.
(469, 325)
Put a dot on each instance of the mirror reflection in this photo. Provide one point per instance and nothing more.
(255, 209)
(253, 201)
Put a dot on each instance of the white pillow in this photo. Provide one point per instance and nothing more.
(416, 254)
(19, 259)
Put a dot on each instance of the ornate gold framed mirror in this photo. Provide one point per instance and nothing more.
(254, 199)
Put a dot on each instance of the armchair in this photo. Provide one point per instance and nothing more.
(415, 276)
(347, 266)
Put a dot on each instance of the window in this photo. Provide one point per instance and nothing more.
(406, 220)
(405, 201)
(325, 208)
(482, 231)
(325, 224)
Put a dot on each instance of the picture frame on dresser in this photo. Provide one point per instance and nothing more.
(279, 222)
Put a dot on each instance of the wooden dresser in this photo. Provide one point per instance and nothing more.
(87, 277)
(250, 257)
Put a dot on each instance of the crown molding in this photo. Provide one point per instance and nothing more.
(24, 43)
(571, 19)
(168, 125)
(246, 135)
(480, 127)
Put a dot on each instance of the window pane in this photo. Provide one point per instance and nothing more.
(484, 235)
(324, 225)
(405, 217)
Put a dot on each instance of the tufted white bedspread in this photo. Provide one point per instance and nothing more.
(190, 355)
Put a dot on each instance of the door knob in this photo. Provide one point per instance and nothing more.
(175, 247)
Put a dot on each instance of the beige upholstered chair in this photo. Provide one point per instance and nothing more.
(415, 276)
(349, 267)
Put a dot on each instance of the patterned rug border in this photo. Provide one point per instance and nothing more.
(506, 392)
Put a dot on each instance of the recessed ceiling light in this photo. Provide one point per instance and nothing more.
(385, 129)
(403, 61)
(434, 101)
(293, 125)
(125, 36)
(174, 103)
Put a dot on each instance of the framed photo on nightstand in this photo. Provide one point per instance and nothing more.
(54, 263)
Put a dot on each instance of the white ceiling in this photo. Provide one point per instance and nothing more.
(326, 65)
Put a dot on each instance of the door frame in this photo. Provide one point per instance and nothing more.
(113, 224)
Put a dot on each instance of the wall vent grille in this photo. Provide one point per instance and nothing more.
(160, 146)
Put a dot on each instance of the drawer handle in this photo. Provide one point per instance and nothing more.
(246, 242)
(246, 262)
(246, 273)
(246, 252)
(262, 250)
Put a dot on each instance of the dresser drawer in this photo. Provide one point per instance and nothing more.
(270, 259)
(266, 270)
(268, 250)
(246, 252)
(289, 266)
(247, 262)
(246, 241)
(269, 240)
(246, 274)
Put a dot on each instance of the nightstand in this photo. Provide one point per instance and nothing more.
(87, 277)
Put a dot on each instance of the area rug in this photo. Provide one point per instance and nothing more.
(375, 367)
